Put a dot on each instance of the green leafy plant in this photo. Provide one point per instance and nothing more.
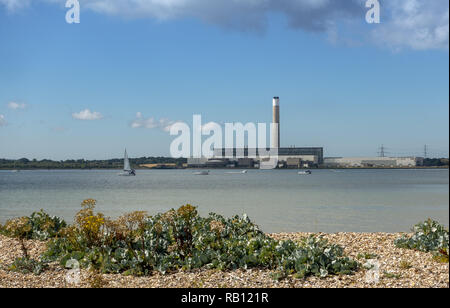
(39, 226)
(405, 265)
(95, 279)
(137, 244)
(390, 275)
(428, 236)
(27, 265)
(366, 256)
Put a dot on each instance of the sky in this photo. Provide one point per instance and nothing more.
(131, 68)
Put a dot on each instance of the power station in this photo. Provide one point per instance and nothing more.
(292, 157)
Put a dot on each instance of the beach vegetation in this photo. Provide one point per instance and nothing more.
(366, 256)
(28, 265)
(429, 236)
(405, 265)
(39, 226)
(138, 244)
(390, 275)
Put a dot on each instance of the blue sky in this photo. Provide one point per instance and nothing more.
(344, 85)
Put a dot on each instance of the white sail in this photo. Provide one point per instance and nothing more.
(126, 162)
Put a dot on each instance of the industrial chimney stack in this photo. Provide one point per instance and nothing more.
(276, 120)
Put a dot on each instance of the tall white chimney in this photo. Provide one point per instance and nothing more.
(276, 120)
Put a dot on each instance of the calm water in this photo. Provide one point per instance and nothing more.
(278, 200)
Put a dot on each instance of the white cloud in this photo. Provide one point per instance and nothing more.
(2, 120)
(16, 105)
(87, 115)
(150, 123)
(416, 24)
(13, 5)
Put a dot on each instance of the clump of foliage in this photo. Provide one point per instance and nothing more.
(38, 226)
(19, 228)
(95, 279)
(428, 236)
(389, 275)
(366, 256)
(138, 244)
(27, 265)
(405, 265)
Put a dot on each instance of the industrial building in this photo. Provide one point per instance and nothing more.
(313, 156)
(292, 157)
(371, 162)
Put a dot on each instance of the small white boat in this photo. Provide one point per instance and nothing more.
(307, 172)
(14, 170)
(127, 170)
(237, 172)
(202, 173)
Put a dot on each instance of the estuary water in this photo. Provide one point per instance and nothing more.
(277, 200)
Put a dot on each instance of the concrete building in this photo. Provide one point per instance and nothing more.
(381, 162)
(311, 156)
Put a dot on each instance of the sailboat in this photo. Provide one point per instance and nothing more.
(127, 170)
(14, 170)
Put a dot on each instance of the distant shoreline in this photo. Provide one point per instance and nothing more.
(286, 169)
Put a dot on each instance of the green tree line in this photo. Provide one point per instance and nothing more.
(25, 163)
(435, 162)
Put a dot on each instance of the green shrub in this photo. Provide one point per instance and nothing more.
(428, 236)
(389, 275)
(137, 244)
(26, 266)
(366, 256)
(39, 226)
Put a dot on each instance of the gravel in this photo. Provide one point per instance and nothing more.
(392, 267)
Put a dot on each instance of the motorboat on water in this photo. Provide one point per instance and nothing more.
(202, 173)
(237, 172)
(307, 172)
(127, 170)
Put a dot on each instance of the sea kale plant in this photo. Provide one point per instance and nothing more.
(428, 236)
(138, 244)
(38, 226)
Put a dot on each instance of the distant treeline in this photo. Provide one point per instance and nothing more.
(435, 162)
(25, 163)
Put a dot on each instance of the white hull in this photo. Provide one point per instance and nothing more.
(305, 172)
(201, 173)
(127, 173)
(238, 172)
